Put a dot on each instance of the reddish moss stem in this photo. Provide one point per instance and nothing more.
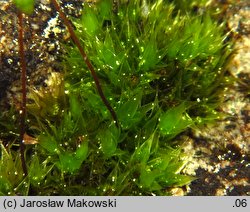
(23, 80)
(86, 60)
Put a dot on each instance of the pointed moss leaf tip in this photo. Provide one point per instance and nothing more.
(174, 121)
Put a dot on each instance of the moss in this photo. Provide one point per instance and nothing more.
(163, 69)
(169, 58)
(26, 6)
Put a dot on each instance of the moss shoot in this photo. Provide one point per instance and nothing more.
(162, 67)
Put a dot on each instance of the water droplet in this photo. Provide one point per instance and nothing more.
(143, 61)
(10, 61)
(134, 12)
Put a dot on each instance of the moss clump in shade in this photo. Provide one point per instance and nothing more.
(163, 69)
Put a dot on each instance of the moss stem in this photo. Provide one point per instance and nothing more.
(23, 80)
(86, 60)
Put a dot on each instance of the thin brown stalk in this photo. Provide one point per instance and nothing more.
(23, 80)
(86, 60)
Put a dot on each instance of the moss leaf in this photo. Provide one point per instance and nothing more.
(174, 121)
(26, 6)
(109, 139)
